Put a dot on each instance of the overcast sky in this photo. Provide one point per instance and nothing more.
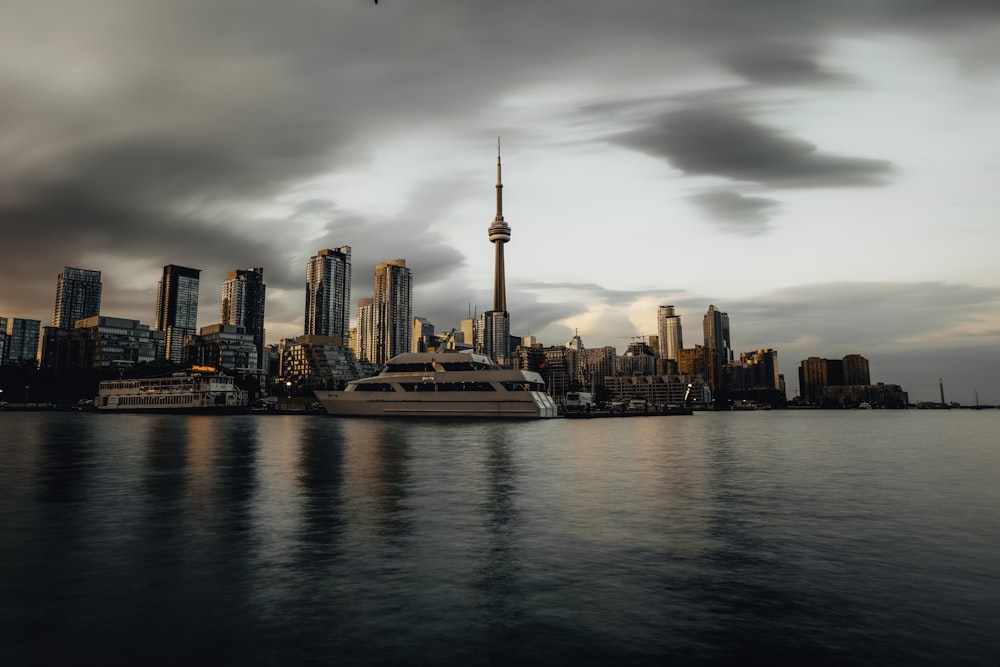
(827, 173)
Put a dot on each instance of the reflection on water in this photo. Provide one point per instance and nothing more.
(801, 537)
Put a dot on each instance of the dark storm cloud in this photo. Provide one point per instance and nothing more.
(154, 130)
(721, 142)
(736, 212)
(782, 64)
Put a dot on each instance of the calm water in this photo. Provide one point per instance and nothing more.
(802, 537)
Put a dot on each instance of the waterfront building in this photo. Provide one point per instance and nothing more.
(243, 305)
(467, 333)
(78, 296)
(19, 340)
(816, 375)
(224, 347)
(596, 364)
(762, 365)
(328, 293)
(312, 362)
(101, 342)
(876, 395)
(392, 311)
(177, 308)
(639, 359)
(495, 324)
(670, 338)
(660, 390)
(856, 370)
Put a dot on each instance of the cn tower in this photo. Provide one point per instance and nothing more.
(499, 234)
(494, 337)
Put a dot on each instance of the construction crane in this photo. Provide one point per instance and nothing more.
(443, 343)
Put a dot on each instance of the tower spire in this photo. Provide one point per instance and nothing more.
(499, 217)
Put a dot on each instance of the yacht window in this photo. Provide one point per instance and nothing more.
(373, 386)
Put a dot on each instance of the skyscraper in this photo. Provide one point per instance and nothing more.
(495, 324)
(177, 308)
(20, 340)
(78, 295)
(243, 305)
(715, 326)
(668, 327)
(328, 293)
(365, 342)
(392, 311)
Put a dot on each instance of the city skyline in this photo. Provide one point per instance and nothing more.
(823, 174)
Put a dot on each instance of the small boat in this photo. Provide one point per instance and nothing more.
(443, 384)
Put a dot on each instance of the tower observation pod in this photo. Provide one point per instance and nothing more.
(499, 234)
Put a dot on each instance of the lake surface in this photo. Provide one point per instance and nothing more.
(812, 537)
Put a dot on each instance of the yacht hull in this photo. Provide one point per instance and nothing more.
(450, 404)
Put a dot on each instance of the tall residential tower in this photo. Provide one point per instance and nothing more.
(243, 305)
(392, 311)
(718, 349)
(78, 296)
(668, 327)
(328, 293)
(177, 308)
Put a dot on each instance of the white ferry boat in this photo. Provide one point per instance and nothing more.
(181, 392)
(445, 384)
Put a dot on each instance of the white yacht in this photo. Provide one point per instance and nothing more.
(443, 384)
(181, 392)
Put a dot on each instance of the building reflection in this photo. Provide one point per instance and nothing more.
(376, 459)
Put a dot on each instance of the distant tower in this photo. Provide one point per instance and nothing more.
(715, 326)
(328, 293)
(365, 339)
(495, 340)
(392, 310)
(668, 325)
(243, 305)
(78, 296)
(177, 307)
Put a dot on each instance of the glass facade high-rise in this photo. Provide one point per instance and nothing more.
(494, 336)
(243, 305)
(718, 350)
(20, 340)
(392, 311)
(78, 296)
(177, 308)
(668, 328)
(328, 293)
